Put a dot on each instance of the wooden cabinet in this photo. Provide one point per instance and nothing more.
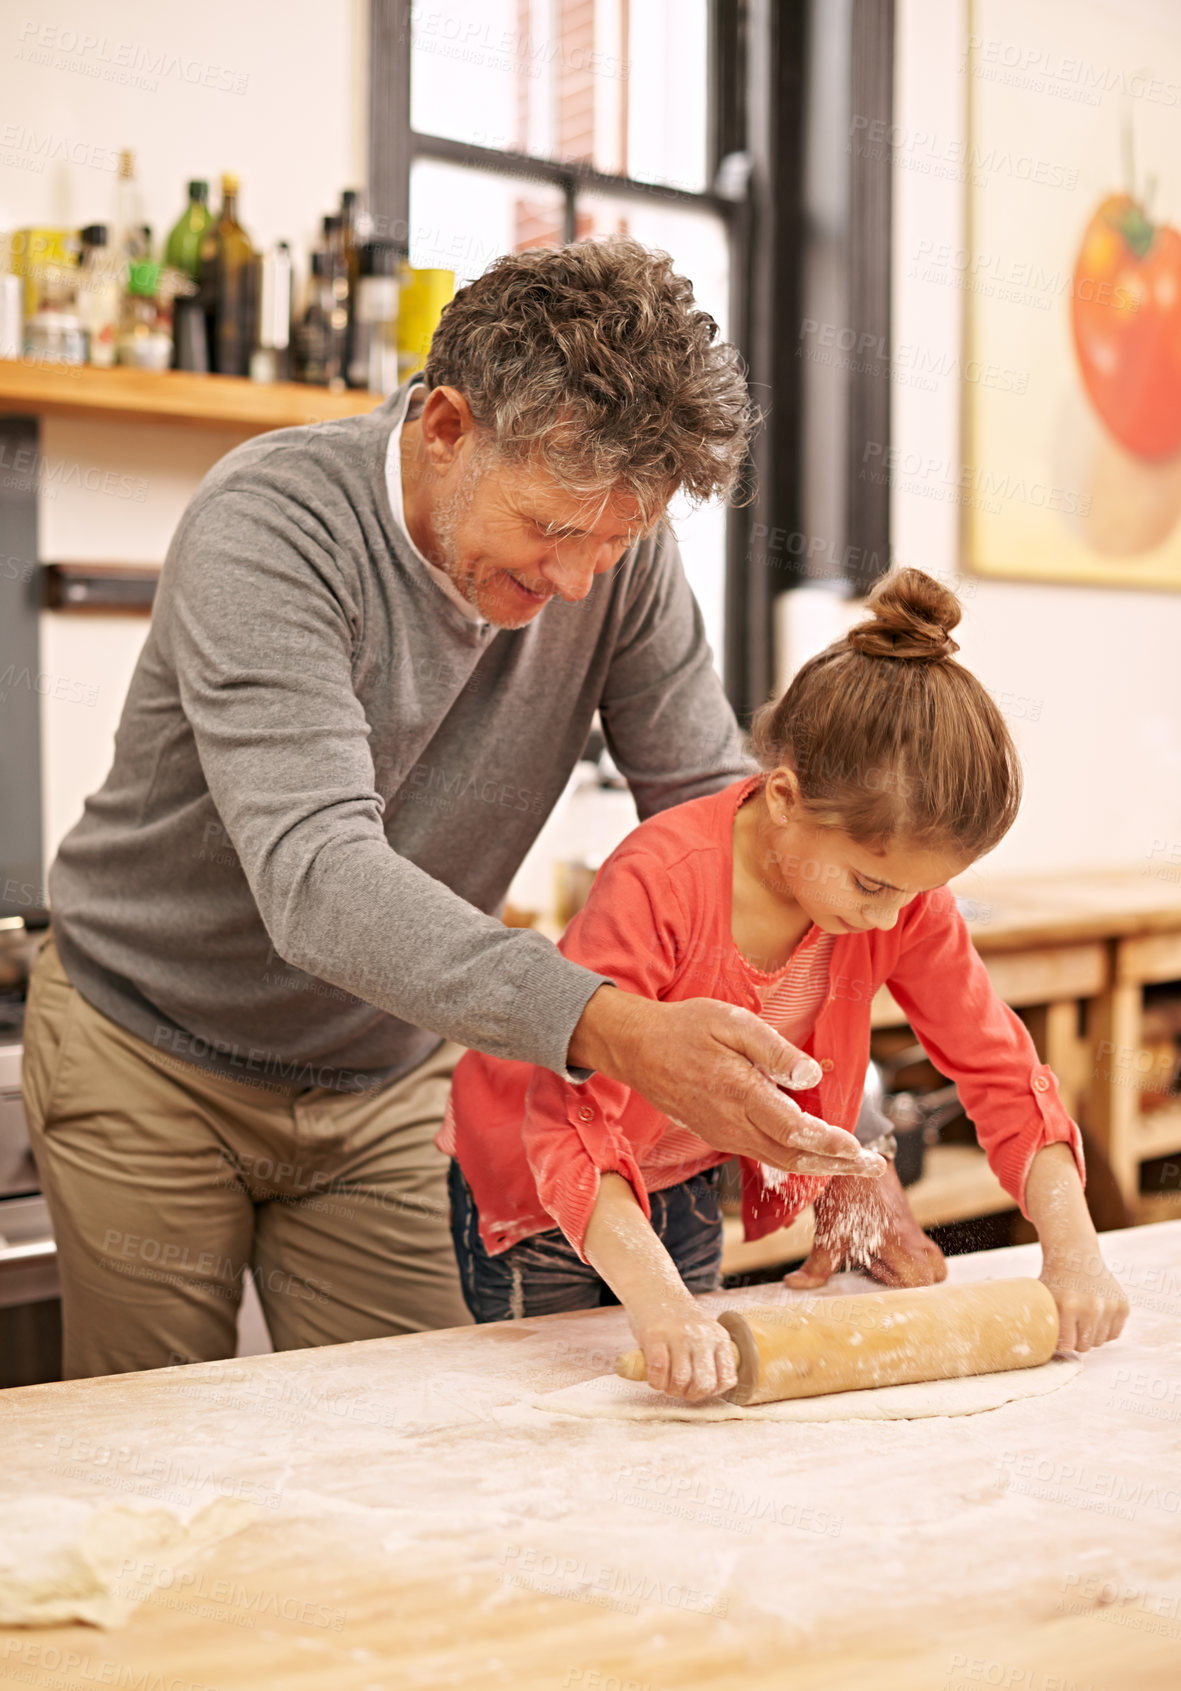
(1047, 983)
(1078, 951)
(1127, 1068)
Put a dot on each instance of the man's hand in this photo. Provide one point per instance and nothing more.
(869, 1227)
(717, 1070)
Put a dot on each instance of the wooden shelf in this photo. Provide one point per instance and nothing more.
(101, 589)
(957, 1185)
(1042, 975)
(172, 396)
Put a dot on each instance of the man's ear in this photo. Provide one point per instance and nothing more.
(445, 422)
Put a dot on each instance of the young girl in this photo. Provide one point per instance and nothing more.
(887, 770)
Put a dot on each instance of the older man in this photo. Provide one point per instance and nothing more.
(374, 660)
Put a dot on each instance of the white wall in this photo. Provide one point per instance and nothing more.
(274, 91)
(1098, 669)
(139, 480)
(1103, 757)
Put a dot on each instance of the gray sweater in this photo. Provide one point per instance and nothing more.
(326, 777)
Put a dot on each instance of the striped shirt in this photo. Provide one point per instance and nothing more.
(790, 1001)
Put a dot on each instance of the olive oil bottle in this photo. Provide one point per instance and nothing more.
(226, 253)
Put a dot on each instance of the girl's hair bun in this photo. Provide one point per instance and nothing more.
(912, 618)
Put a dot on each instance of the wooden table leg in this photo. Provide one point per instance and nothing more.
(1054, 1030)
(1113, 1036)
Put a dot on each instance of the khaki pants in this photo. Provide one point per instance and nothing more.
(168, 1184)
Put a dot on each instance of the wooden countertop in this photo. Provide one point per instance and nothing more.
(1014, 912)
(421, 1524)
(1029, 912)
(173, 396)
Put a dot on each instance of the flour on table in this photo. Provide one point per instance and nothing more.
(68, 1559)
(613, 1399)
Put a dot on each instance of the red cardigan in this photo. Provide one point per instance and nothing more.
(532, 1146)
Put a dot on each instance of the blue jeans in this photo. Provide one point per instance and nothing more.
(543, 1274)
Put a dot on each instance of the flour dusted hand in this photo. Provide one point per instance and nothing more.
(686, 1352)
(1092, 1307)
(718, 1070)
(869, 1226)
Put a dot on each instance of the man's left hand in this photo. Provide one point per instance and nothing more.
(869, 1225)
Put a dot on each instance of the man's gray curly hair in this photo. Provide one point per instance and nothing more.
(594, 360)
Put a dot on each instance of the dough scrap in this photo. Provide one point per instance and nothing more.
(67, 1559)
(612, 1399)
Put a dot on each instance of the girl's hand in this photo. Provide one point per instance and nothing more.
(1092, 1305)
(688, 1354)
(869, 1227)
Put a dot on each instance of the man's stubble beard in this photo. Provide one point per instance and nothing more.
(446, 521)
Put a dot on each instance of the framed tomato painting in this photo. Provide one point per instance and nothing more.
(1071, 271)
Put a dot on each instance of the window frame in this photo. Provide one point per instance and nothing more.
(762, 118)
(394, 145)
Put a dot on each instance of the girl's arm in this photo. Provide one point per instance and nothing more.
(1092, 1307)
(688, 1354)
(1033, 1146)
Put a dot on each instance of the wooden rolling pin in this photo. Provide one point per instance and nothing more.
(883, 1339)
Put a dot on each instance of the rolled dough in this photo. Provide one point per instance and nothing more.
(69, 1559)
(613, 1399)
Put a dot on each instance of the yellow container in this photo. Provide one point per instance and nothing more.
(421, 297)
(46, 259)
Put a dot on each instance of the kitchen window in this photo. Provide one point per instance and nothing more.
(497, 125)
(533, 122)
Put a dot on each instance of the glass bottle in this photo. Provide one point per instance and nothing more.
(183, 254)
(127, 239)
(320, 340)
(145, 320)
(335, 296)
(373, 340)
(183, 251)
(270, 290)
(226, 253)
(351, 219)
(98, 296)
(355, 226)
(334, 243)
